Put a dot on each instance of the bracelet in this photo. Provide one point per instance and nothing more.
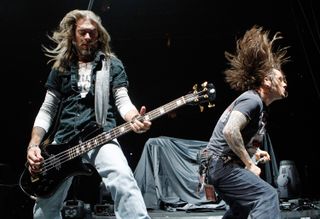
(32, 145)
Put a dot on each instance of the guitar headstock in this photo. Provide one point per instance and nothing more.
(206, 93)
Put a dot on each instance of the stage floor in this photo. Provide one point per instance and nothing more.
(217, 214)
(22, 213)
(292, 209)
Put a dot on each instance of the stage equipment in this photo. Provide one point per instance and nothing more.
(76, 209)
(289, 185)
(105, 207)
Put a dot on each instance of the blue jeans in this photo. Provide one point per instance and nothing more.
(244, 192)
(118, 178)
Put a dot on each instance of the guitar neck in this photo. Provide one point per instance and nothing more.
(126, 127)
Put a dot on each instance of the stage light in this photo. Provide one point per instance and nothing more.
(288, 180)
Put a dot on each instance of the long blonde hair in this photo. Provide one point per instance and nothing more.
(64, 51)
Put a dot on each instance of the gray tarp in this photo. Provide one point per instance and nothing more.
(167, 171)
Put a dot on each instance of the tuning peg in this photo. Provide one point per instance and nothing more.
(204, 84)
(210, 105)
(201, 108)
(195, 87)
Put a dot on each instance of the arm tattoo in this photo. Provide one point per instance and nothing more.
(232, 132)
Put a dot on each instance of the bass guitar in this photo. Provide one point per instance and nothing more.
(63, 160)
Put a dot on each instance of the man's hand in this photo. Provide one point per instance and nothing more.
(254, 168)
(34, 159)
(262, 156)
(138, 125)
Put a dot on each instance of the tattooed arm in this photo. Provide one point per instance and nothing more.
(232, 133)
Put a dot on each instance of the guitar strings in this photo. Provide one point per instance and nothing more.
(64, 156)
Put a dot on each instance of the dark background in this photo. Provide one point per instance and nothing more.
(167, 46)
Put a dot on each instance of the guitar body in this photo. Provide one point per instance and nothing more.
(45, 183)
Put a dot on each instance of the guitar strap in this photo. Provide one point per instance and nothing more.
(102, 91)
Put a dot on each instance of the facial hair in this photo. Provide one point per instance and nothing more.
(88, 53)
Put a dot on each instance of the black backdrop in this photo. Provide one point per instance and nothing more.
(168, 46)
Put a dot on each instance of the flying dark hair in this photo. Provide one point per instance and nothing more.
(254, 59)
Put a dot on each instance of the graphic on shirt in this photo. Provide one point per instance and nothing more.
(84, 81)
